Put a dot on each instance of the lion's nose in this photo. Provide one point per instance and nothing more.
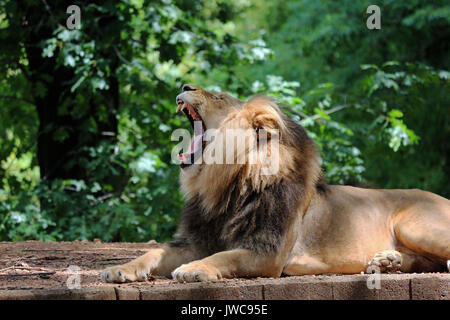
(188, 87)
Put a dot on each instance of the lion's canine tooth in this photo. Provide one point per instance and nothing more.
(181, 106)
(192, 113)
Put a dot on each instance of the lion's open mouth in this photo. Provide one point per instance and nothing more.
(197, 143)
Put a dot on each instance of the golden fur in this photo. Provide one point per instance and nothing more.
(239, 222)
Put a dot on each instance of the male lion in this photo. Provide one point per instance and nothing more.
(239, 222)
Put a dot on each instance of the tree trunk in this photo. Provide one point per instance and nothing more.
(62, 134)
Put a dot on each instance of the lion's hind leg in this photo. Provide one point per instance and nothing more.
(422, 232)
(385, 261)
(403, 260)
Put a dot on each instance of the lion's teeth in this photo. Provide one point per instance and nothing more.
(191, 112)
(181, 107)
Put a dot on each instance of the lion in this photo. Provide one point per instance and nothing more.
(238, 222)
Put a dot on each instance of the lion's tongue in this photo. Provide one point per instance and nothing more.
(196, 145)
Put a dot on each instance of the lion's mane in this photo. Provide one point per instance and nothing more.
(233, 206)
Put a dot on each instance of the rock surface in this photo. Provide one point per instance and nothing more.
(70, 270)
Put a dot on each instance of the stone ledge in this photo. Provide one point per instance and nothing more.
(99, 293)
(343, 287)
(42, 270)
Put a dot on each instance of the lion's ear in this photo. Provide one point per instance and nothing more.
(265, 116)
(266, 125)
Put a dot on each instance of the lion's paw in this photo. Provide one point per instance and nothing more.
(196, 271)
(125, 273)
(385, 261)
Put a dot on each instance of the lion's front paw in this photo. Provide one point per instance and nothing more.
(196, 271)
(125, 273)
(385, 261)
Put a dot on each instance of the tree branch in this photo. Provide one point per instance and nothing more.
(317, 116)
